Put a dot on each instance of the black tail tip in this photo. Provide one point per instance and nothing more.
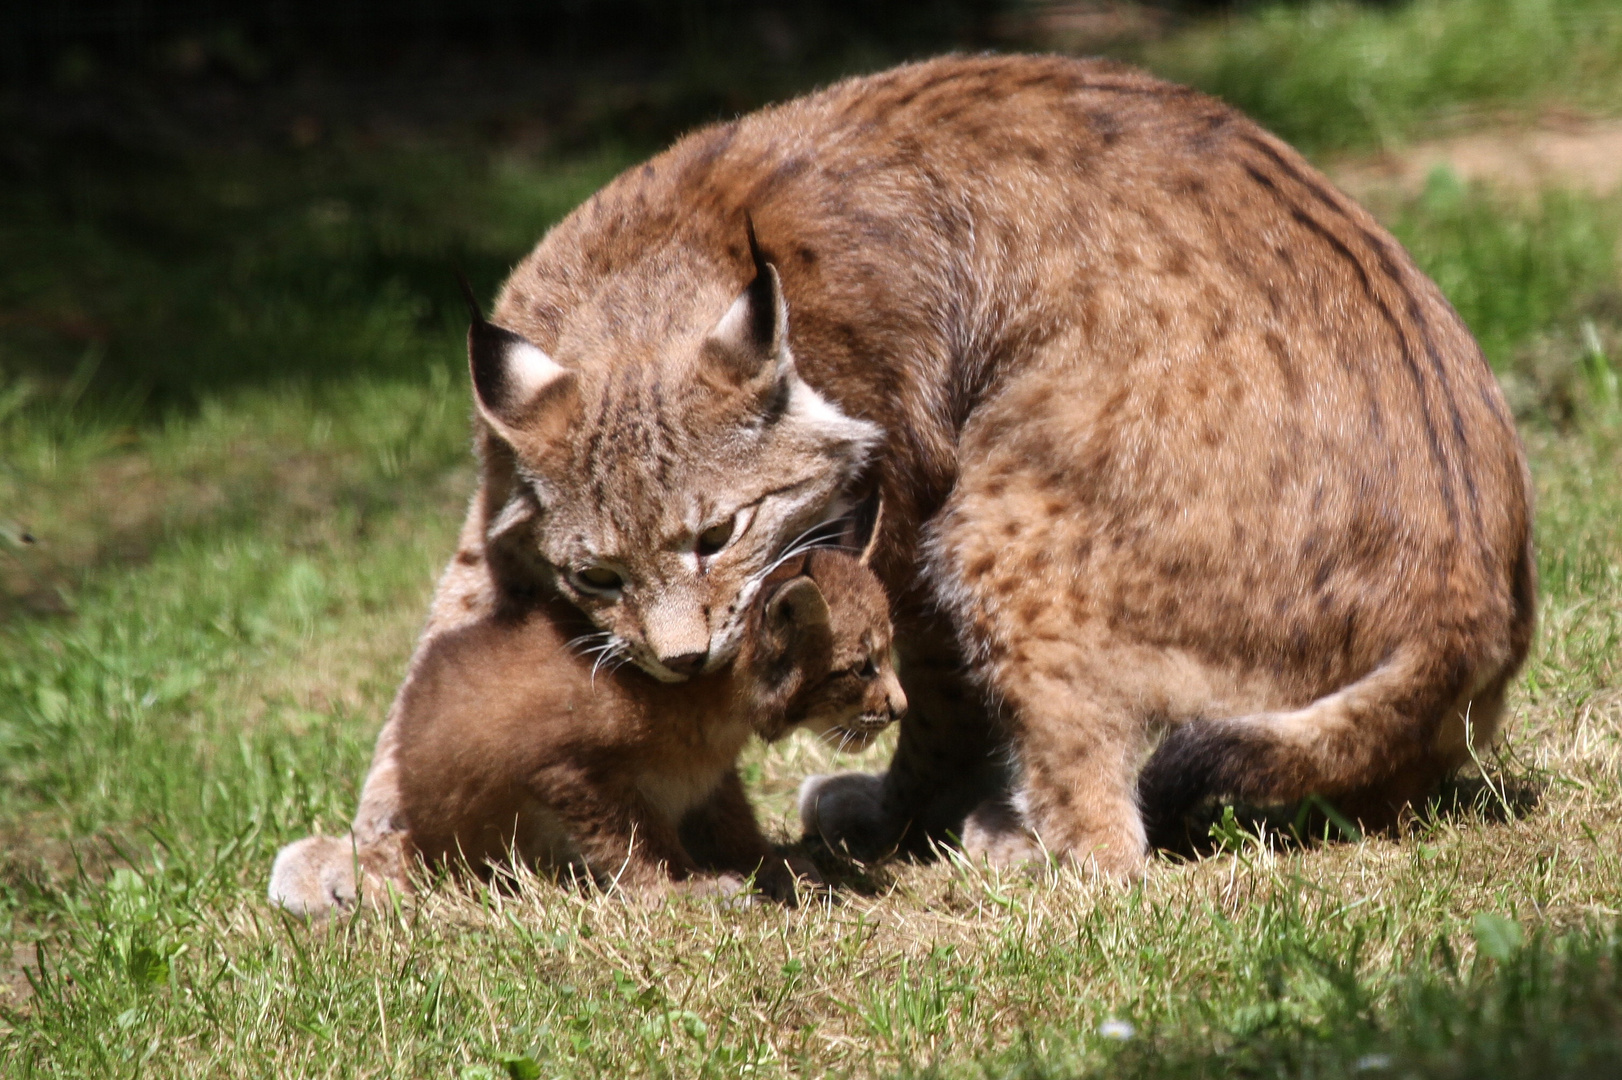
(1196, 761)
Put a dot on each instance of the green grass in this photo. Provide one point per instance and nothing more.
(1335, 76)
(1537, 281)
(234, 421)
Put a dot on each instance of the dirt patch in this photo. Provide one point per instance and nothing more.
(1569, 152)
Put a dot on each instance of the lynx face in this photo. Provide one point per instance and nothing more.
(823, 656)
(662, 487)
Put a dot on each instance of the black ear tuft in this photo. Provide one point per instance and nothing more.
(488, 348)
(763, 300)
(474, 314)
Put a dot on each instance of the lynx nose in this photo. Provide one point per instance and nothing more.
(686, 663)
(894, 697)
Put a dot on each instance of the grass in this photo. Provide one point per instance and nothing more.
(1334, 76)
(233, 420)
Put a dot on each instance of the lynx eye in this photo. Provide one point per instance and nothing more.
(598, 579)
(714, 538)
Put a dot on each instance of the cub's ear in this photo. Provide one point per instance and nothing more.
(866, 557)
(795, 611)
(749, 340)
(519, 389)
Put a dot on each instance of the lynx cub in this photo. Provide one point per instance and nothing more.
(1184, 460)
(512, 744)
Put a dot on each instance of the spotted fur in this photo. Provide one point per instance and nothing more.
(1172, 437)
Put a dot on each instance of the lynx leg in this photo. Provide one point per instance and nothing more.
(1079, 749)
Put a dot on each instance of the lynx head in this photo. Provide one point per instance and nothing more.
(666, 456)
(819, 653)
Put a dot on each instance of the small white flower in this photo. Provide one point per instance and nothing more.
(1118, 1030)
(1372, 1063)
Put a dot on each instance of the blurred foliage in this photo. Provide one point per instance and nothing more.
(194, 197)
(637, 69)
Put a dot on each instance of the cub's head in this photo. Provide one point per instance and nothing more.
(818, 653)
(664, 454)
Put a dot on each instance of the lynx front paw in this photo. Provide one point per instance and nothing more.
(784, 879)
(314, 877)
(317, 876)
(847, 811)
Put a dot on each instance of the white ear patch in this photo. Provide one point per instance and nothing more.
(733, 331)
(529, 369)
(810, 411)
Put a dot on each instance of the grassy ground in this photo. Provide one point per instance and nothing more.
(233, 426)
(1337, 76)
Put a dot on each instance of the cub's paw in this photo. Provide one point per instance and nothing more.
(727, 889)
(847, 811)
(314, 877)
(995, 834)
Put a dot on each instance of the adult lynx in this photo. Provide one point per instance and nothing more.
(1171, 437)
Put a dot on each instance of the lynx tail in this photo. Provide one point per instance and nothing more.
(1403, 724)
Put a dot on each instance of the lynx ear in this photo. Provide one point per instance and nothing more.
(796, 610)
(514, 382)
(866, 557)
(749, 339)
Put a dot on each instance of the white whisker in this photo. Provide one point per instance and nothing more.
(807, 540)
(606, 655)
(575, 645)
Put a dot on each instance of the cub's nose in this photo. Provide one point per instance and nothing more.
(895, 699)
(685, 664)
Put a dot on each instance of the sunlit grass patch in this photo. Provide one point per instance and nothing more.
(1338, 75)
(205, 704)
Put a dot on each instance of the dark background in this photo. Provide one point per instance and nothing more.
(199, 196)
(582, 68)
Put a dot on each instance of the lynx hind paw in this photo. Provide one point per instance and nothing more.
(995, 834)
(314, 877)
(847, 811)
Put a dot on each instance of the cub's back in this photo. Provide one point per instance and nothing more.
(489, 707)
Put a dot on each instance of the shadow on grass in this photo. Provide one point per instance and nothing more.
(840, 873)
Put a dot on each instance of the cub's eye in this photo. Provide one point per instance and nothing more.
(867, 669)
(598, 579)
(714, 538)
